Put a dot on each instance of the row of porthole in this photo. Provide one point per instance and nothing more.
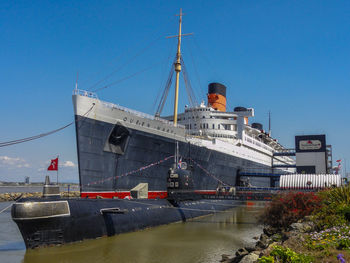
(148, 125)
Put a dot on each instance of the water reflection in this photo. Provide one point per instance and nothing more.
(203, 239)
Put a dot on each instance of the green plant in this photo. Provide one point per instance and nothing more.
(344, 211)
(343, 244)
(335, 237)
(340, 195)
(330, 213)
(287, 255)
(266, 259)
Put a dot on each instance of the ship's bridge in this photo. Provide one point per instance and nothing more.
(205, 121)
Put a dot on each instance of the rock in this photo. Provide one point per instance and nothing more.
(250, 258)
(261, 245)
(269, 231)
(225, 258)
(263, 237)
(268, 250)
(302, 227)
(277, 237)
(250, 248)
(241, 252)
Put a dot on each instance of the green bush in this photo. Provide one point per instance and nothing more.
(343, 244)
(339, 195)
(266, 259)
(286, 255)
(344, 211)
(334, 209)
(328, 215)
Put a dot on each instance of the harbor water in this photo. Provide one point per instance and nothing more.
(202, 239)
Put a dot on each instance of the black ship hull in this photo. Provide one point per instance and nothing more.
(113, 159)
(44, 222)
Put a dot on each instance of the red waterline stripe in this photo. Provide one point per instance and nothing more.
(123, 194)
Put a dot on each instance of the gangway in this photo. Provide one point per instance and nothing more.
(269, 173)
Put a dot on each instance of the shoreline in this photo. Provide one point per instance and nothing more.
(270, 238)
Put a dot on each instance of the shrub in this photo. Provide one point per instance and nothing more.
(339, 195)
(266, 259)
(335, 208)
(285, 255)
(287, 208)
(328, 215)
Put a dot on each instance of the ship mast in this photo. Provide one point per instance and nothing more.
(177, 65)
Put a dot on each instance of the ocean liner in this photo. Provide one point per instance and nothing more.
(118, 147)
(137, 170)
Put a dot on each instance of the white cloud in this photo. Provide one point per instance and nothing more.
(13, 162)
(68, 164)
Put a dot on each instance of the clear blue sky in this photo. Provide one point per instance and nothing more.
(290, 57)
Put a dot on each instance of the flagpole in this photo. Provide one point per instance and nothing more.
(57, 169)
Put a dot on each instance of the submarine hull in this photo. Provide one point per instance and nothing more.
(59, 221)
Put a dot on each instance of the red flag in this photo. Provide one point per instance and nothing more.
(54, 165)
(338, 161)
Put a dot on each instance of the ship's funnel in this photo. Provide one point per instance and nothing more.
(217, 96)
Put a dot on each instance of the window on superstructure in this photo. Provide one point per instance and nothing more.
(213, 126)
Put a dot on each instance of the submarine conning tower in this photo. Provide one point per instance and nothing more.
(217, 96)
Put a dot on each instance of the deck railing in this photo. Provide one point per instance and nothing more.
(116, 106)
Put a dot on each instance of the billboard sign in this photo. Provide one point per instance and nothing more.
(310, 143)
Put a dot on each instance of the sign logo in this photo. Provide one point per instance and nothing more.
(310, 145)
